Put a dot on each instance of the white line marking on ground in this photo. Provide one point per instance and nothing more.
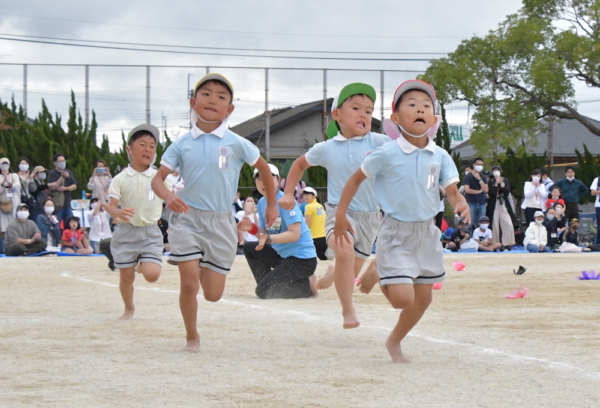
(593, 375)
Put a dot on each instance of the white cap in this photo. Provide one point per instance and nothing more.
(274, 170)
(310, 190)
(209, 77)
(418, 85)
(145, 127)
(538, 214)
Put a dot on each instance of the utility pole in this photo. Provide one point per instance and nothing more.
(551, 140)
(267, 118)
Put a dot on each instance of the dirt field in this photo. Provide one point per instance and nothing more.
(61, 344)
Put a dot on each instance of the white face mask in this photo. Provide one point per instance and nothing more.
(496, 173)
(48, 210)
(535, 179)
(42, 176)
(550, 217)
(570, 178)
(93, 205)
(23, 167)
(5, 166)
(467, 172)
(23, 215)
(478, 169)
(559, 211)
(484, 226)
(61, 165)
(539, 221)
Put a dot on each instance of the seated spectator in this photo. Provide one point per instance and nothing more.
(554, 227)
(99, 224)
(22, 236)
(570, 238)
(73, 240)
(284, 260)
(446, 237)
(314, 216)
(461, 240)
(536, 236)
(560, 213)
(48, 223)
(483, 236)
(554, 198)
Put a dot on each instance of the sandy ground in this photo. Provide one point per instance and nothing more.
(62, 346)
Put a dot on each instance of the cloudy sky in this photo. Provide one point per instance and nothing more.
(347, 33)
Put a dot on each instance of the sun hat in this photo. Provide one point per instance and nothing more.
(349, 90)
(310, 190)
(538, 214)
(272, 167)
(146, 127)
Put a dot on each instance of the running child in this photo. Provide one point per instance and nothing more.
(203, 234)
(409, 254)
(350, 141)
(137, 238)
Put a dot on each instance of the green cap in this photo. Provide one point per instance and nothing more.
(356, 88)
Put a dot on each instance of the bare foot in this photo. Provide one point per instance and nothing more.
(128, 313)
(192, 346)
(367, 280)
(350, 320)
(326, 280)
(312, 280)
(396, 352)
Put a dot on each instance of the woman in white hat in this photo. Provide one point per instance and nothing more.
(10, 194)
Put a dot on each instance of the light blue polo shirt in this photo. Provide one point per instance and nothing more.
(407, 179)
(210, 165)
(342, 157)
(304, 248)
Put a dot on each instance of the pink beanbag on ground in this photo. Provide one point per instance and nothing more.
(458, 266)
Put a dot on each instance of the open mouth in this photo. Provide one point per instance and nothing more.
(146, 157)
(420, 120)
(361, 124)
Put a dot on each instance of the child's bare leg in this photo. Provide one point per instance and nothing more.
(213, 284)
(151, 271)
(189, 272)
(369, 278)
(326, 280)
(344, 280)
(68, 251)
(312, 281)
(414, 301)
(127, 276)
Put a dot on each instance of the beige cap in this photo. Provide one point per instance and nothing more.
(4, 160)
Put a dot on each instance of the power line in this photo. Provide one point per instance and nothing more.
(217, 54)
(225, 48)
(228, 31)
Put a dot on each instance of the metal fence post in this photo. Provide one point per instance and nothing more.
(267, 118)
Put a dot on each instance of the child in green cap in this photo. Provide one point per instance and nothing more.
(350, 142)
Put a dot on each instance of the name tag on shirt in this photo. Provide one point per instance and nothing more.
(433, 177)
(224, 154)
(151, 195)
(553, 235)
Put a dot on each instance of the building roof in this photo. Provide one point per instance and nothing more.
(253, 128)
(569, 135)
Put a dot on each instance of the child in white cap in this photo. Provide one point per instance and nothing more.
(351, 140)
(202, 230)
(409, 254)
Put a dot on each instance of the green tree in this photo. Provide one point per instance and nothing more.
(524, 71)
(518, 167)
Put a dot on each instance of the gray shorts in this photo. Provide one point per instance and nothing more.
(130, 244)
(409, 252)
(364, 224)
(207, 235)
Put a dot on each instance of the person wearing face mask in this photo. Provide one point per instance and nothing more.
(476, 188)
(39, 196)
(535, 196)
(23, 237)
(500, 210)
(595, 189)
(546, 180)
(99, 222)
(536, 236)
(28, 186)
(48, 223)
(554, 227)
(10, 195)
(483, 236)
(468, 170)
(100, 181)
(62, 182)
(573, 190)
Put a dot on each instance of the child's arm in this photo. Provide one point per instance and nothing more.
(288, 200)
(271, 213)
(172, 200)
(458, 202)
(123, 214)
(342, 225)
(291, 235)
